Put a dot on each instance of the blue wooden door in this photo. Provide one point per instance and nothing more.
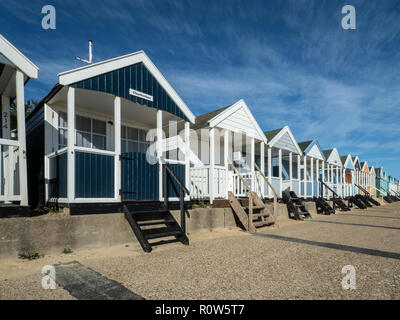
(139, 180)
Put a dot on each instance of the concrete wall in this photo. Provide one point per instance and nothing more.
(51, 234)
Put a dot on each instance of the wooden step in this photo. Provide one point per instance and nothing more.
(261, 215)
(160, 233)
(254, 208)
(260, 223)
(149, 215)
(153, 223)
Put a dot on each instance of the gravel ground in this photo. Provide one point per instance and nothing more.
(297, 260)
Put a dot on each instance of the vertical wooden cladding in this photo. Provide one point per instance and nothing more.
(137, 77)
(173, 186)
(139, 177)
(58, 168)
(94, 176)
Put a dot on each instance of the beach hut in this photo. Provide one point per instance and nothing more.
(372, 181)
(227, 134)
(312, 154)
(332, 174)
(381, 185)
(365, 177)
(348, 173)
(15, 71)
(97, 137)
(357, 175)
(284, 161)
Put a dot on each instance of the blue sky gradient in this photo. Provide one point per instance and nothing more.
(290, 60)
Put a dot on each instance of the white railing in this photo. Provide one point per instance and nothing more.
(239, 188)
(9, 171)
(200, 182)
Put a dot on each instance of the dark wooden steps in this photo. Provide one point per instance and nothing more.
(296, 208)
(153, 224)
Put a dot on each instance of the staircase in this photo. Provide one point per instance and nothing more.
(359, 204)
(295, 205)
(323, 206)
(261, 215)
(337, 201)
(153, 224)
(363, 200)
(340, 203)
(157, 221)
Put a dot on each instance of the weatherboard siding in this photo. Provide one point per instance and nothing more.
(94, 175)
(286, 143)
(239, 120)
(315, 153)
(137, 77)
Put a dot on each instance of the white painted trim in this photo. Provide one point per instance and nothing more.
(231, 110)
(57, 153)
(212, 164)
(269, 171)
(94, 200)
(291, 170)
(299, 173)
(23, 171)
(187, 155)
(312, 176)
(8, 198)
(280, 134)
(94, 151)
(280, 170)
(117, 147)
(5, 116)
(159, 153)
(89, 71)
(9, 142)
(18, 59)
(71, 144)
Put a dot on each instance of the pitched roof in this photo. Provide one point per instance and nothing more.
(343, 159)
(327, 153)
(202, 120)
(304, 145)
(271, 134)
(15, 57)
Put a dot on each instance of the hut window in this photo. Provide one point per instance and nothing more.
(90, 133)
(62, 130)
(133, 140)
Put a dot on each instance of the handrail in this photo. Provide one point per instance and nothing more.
(272, 188)
(362, 189)
(335, 195)
(182, 191)
(329, 188)
(248, 189)
(177, 179)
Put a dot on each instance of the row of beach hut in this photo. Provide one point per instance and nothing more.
(102, 133)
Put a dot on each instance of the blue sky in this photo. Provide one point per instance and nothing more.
(290, 60)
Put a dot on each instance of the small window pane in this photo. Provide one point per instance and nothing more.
(123, 146)
(99, 142)
(83, 124)
(62, 120)
(99, 127)
(83, 139)
(62, 138)
(132, 134)
(123, 132)
(142, 135)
